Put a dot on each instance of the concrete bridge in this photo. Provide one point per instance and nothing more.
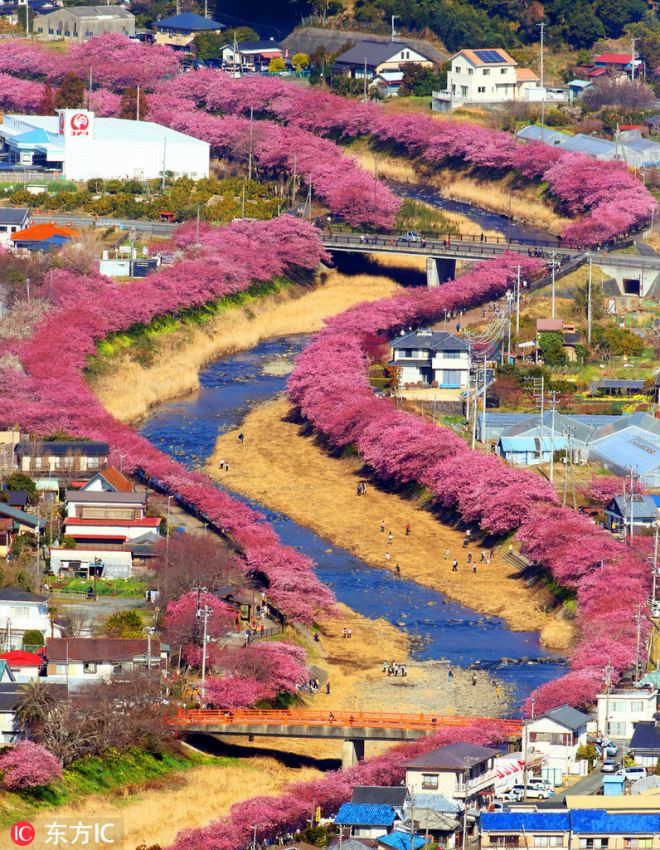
(353, 729)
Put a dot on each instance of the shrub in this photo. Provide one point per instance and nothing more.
(33, 637)
(29, 765)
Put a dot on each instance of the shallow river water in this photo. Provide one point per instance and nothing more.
(439, 628)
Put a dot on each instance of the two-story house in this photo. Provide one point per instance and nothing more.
(556, 735)
(378, 57)
(22, 611)
(432, 358)
(461, 772)
(14, 522)
(620, 709)
(485, 76)
(67, 458)
(12, 219)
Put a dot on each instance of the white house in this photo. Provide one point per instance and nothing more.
(85, 146)
(10, 696)
(619, 710)
(556, 735)
(69, 458)
(461, 772)
(109, 480)
(12, 219)
(91, 659)
(108, 533)
(376, 57)
(432, 358)
(22, 611)
(483, 77)
(105, 563)
(24, 665)
(104, 504)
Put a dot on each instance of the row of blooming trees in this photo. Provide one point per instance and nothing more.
(610, 578)
(50, 394)
(604, 197)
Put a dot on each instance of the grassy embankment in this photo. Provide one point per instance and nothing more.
(154, 797)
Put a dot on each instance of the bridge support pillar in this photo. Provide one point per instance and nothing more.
(352, 751)
(439, 270)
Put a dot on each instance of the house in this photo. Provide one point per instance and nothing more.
(614, 64)
(396, 796)
(578, 87)
(104, 563)
(15, 498)
(557, 735)
(252, 55)
(366, 820)
(644, 745)
(632, 442)
(388, 83)
(91, 659)
(11, 694)
(41, 237)
(462, 772)
(640, 511)
(583, 426)
(372, 58)
(620, 709)
(14, 522)
(179, 31)
(20, 612)
(109, 480)
(68, 458)
(105, 504)
(583, 828)
(12, 219)
(433, 815)
(484, 76)
(24, 665)
(108, 533)
(80, 23)
(432, 358)
(635, 152)
(527, 450)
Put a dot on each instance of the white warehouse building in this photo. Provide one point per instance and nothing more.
(85, 146)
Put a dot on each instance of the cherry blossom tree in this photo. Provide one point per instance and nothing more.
(29, 765)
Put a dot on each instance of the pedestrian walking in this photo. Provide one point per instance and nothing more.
(384, 666)
(327, 687)
(408, 529)
(382, 526)
(364, 488)
(358, 490)
(397, 570)
(447, 553)
(241, 438)
(349, 633)
(226, 466)
(469, 557)
(454, 566)
(483, 556)
(466, 540)
(474, 567)
(474, 680)
(221, 464)
(450, 674)
(390, 537)
(387, 556)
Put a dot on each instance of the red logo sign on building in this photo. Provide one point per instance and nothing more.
(79, 124)
(22, 833)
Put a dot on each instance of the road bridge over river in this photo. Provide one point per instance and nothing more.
(352, 728)
(635, 273)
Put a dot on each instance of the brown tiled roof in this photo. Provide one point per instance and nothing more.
(116, 479)
(99, 649)
(526, 75)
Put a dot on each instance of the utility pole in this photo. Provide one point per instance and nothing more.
(632, 505)
(197, 228)
(254, 837)
(542, 26)
(518, 303)
(526, 748)
(509, 298)
(552, 436)
(250, 144)
(137, 103)
(655, 560)
(553, 283)
(164, 161)
(365, 77)
(608, 686)
(589, 301)
(295, 178)
(394, 17)
(89, 90)
(638, 640)
(203, 614)
(632, 61)
(167, 533)
(483, 412)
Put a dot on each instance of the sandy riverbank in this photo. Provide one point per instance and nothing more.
(285, 469)
(129, 389)
(186, 799)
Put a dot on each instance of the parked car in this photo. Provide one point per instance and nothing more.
(512, 796)
(609, 766)
(634, 772)
(411, 236)
(610, 748)
(655, 609)
(534, 791)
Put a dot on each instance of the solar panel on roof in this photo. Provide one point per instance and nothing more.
(489, 55)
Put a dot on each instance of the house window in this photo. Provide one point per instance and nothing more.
(637, 843)
(502, 70)
(481, 89)
(486, 72)
(408, 352)
(457, 69)
(548, 840)
(470, 71)
(430, 781)
(117, 668)
(504, 841)
(594, 843)
(20, 611)
(617, 730)
(451, 378)
(60, 669)
(464, 90)
(89, 667)
(451, 355)
(637, 705)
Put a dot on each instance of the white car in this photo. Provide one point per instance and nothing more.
(633, 772)
(411, 236)
(535, 791)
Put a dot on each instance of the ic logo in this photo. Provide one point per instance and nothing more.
(79, 124)
(22, 833)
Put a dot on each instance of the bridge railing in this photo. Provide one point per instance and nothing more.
(481, 239)
(342, 719)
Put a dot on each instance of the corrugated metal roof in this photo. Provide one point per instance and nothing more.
(632, 448)
(452, 757)
(536, 133)
(402, 841)
(643, 506)
(388, 795)
(517, 821)
(365, 814)
(646, 736)
(569, 717)
(533, 444)
(591, 821)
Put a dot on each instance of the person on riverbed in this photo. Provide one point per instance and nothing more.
(387, 557)
(382, 527)
(474, 568)
(408, 529)
(447, 553)
(454, 566)
(241, 438)
(483, 556)
(390, 538)
(474, 680)
(397, 570)
(358, 490)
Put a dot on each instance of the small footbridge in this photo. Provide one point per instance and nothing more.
(353, 729)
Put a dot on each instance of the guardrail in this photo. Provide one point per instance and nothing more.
(342, 719)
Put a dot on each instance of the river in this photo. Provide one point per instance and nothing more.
(187, 429)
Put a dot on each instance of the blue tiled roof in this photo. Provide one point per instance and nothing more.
(189, 22)
(365, 814)
(401, 841)
(516, 821)
(588, 821)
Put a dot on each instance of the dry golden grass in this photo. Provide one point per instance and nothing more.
(494, 196)
(188, 799)
(130, 390)
(289, 472)
(389, 167)
(398, 261)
